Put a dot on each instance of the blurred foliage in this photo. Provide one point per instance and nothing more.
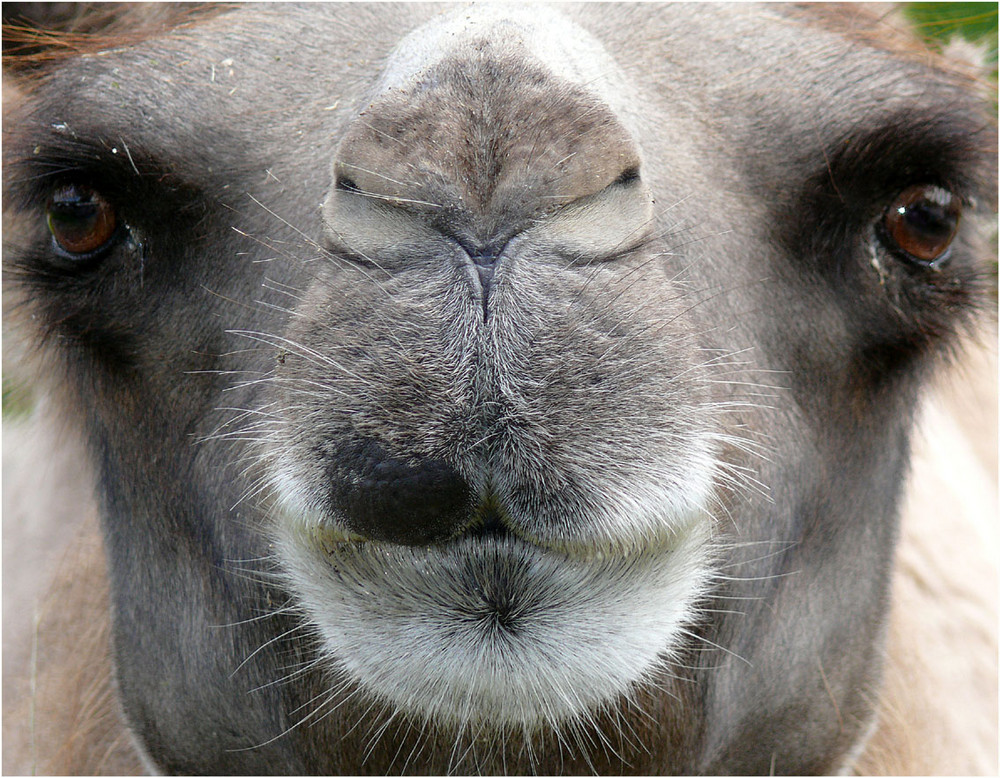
(975, 22)
(17, 399)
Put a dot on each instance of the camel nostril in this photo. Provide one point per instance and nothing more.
(411, 502)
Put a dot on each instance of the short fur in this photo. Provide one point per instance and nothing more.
(495, 389)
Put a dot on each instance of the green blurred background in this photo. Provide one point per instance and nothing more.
(940, 22)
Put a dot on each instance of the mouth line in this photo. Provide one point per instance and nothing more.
(493, 532)
(624, 522)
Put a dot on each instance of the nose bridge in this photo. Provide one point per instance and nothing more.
(482, 145)
(533, 32)
(474, 138)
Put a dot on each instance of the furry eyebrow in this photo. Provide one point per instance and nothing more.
(63, 152)
(951, 149)
(122, 167)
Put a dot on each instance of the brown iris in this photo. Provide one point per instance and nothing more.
(922, 222)
(81, 220)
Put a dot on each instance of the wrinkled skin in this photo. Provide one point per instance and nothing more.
(497, 390)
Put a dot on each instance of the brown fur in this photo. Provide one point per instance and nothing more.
(64, 719)
(36, 34)
(938, 709)
(60, 710)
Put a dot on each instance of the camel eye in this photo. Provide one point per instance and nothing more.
(921, 224)
(83, 224)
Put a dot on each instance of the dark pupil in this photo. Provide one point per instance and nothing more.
(931, 221)
(73, 213)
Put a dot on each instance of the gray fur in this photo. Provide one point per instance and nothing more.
(529, 391)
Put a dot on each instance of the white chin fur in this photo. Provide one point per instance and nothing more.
(495, 629)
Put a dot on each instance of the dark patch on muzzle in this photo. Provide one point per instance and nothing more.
(408, 501)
